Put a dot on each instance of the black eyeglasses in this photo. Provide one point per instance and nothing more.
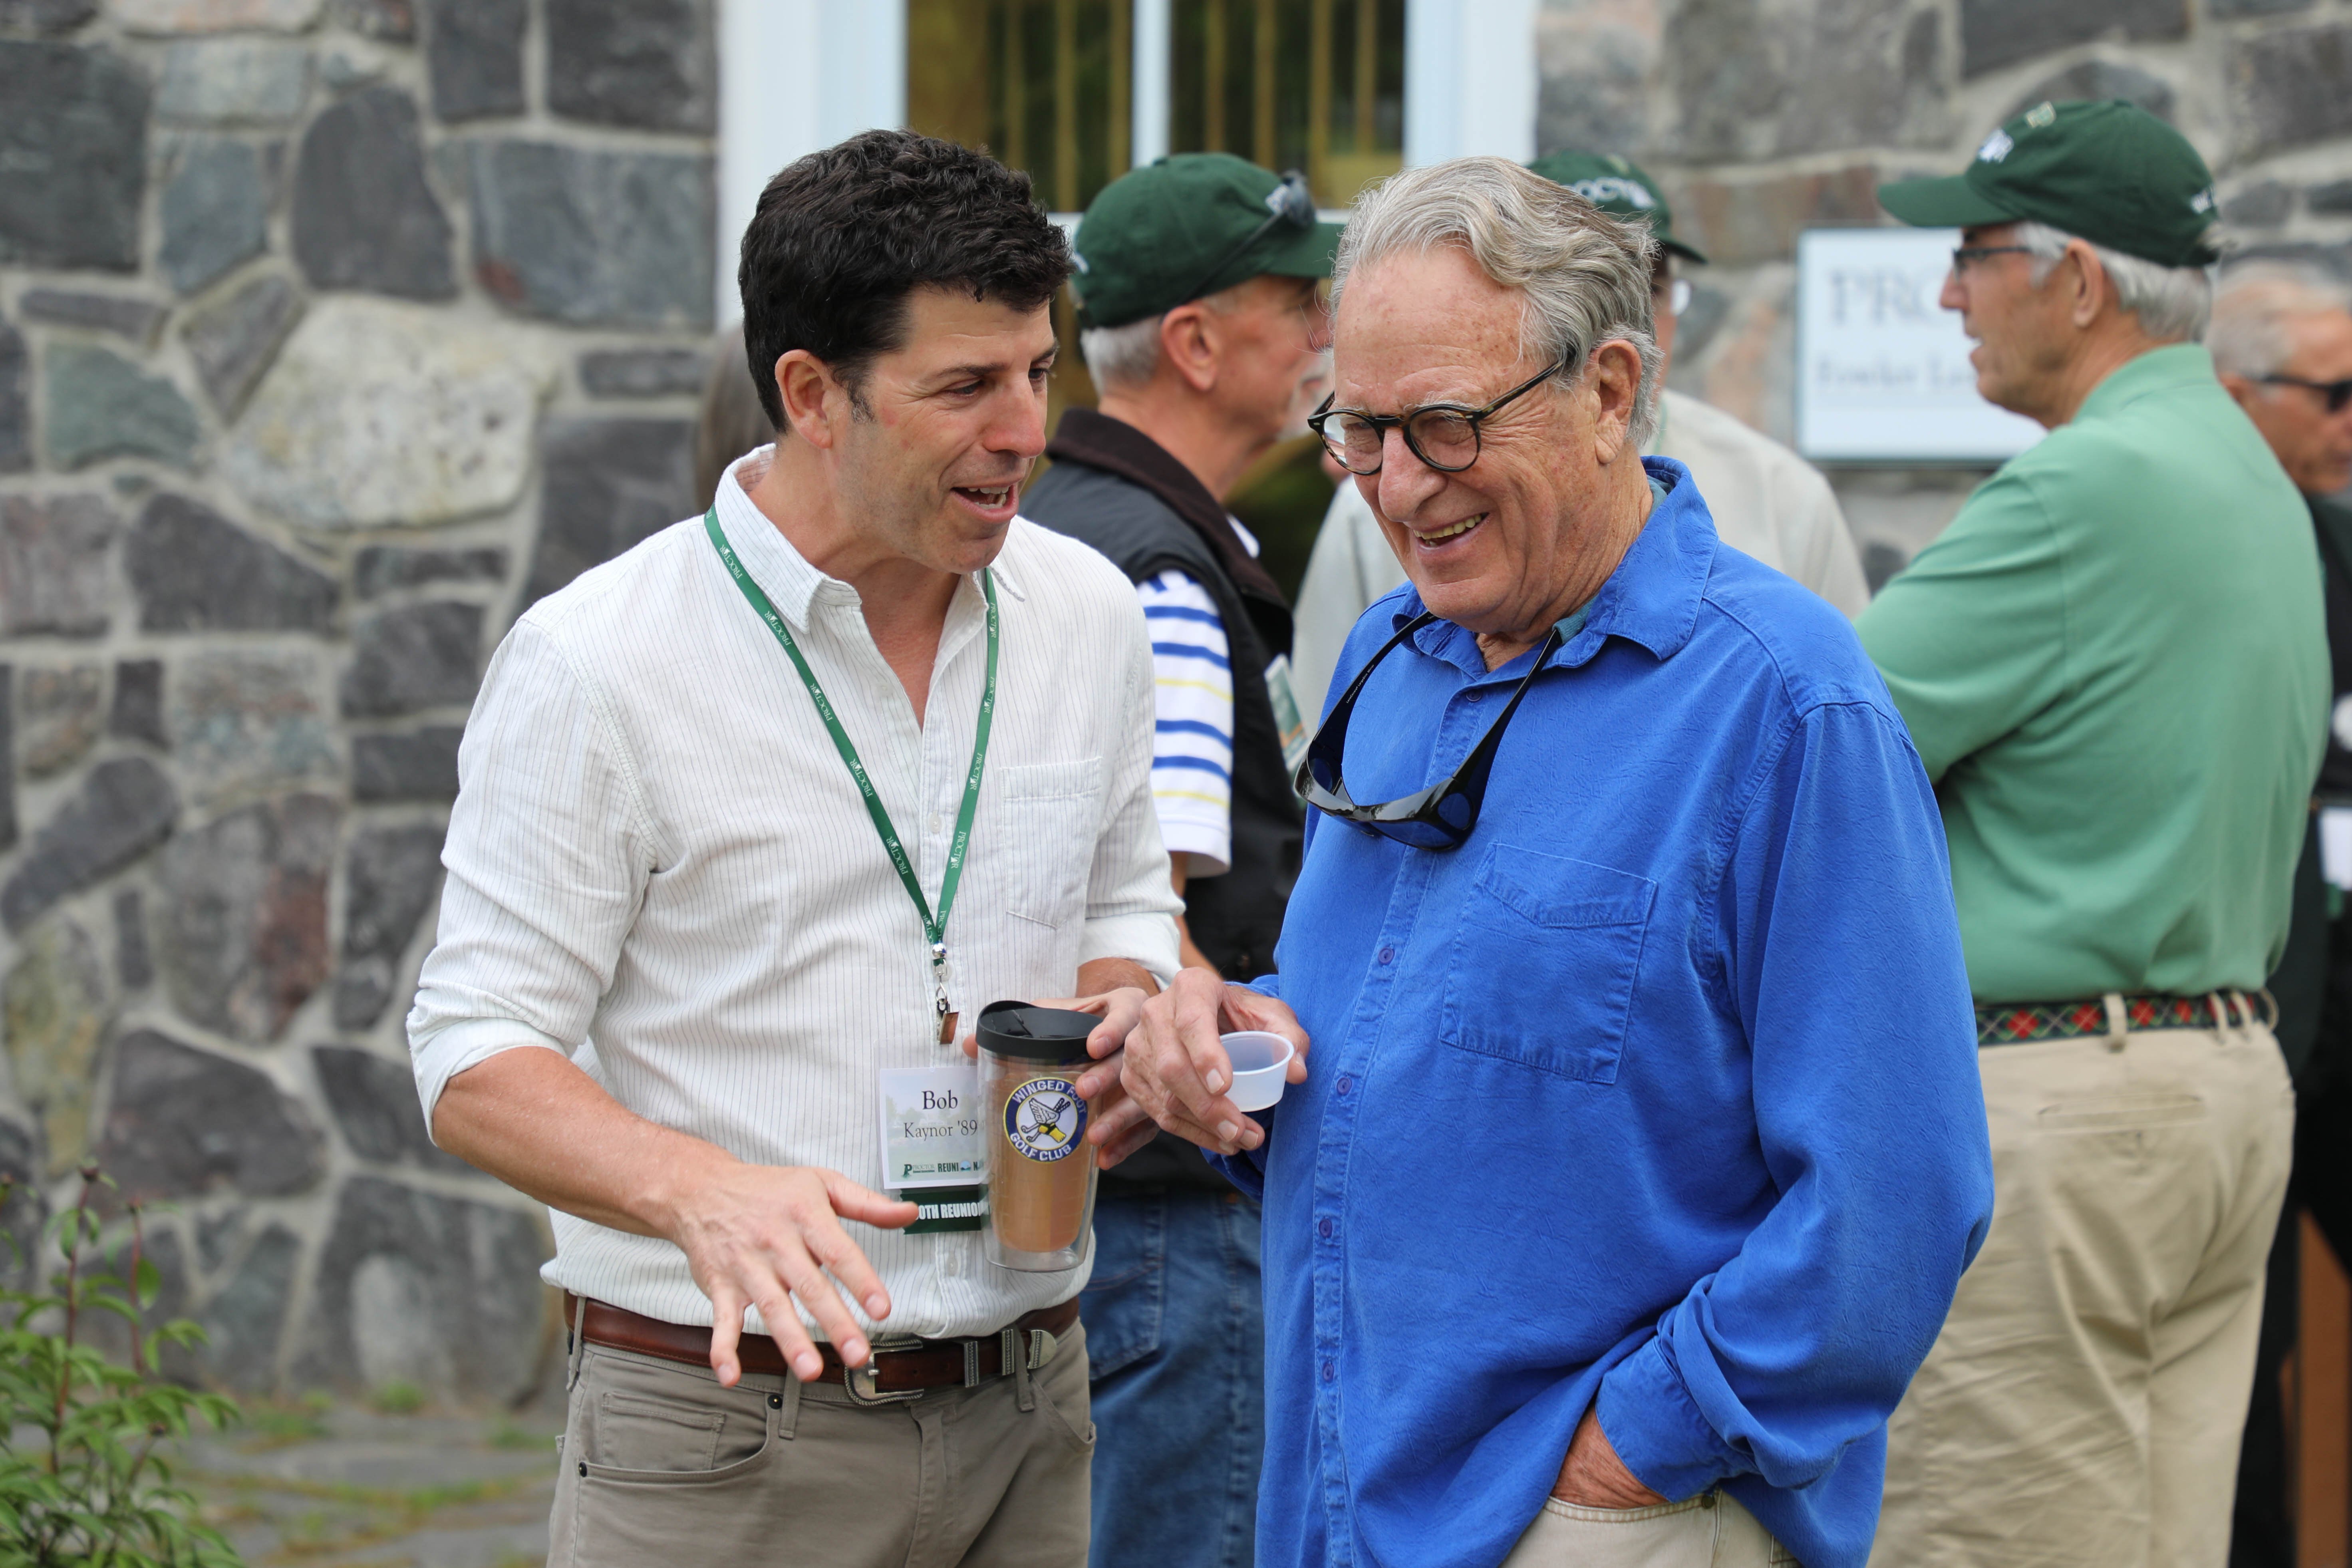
(1290, 202)
(1438, 818)
(2334, 394)
(1442, 435)
(1968, 253)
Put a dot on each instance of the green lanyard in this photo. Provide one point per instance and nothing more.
(935, 929)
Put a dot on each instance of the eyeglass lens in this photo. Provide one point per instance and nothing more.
(1444, 439)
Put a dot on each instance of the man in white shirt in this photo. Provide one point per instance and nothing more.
(752, 822)
(1767, 501)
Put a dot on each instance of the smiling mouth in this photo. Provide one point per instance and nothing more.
(1440, 536)
(991, 497)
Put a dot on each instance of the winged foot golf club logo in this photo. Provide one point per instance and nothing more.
(1045, 1120)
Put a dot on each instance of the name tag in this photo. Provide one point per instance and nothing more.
(1286, 720)
(931, 1127)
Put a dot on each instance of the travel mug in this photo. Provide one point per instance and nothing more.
(1041, 1169)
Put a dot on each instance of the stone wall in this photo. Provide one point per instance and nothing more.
(332, 333)
(1766, 117)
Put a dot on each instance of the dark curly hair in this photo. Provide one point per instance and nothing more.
(843, 237)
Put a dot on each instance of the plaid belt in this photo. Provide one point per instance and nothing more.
(2015, 1023)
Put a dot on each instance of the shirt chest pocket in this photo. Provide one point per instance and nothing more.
(1544, 959)
(1048, 812)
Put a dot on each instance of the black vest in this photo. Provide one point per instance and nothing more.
(1114, 488)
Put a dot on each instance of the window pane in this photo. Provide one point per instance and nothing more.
(1316, 85)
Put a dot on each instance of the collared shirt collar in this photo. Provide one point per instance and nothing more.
(793, 586)
(1651, 599)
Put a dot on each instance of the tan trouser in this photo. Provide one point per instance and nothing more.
(662, 1464)
(1709, 1530)
(2084, 1403)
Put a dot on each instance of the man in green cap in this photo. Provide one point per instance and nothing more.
(2115, 665)
(1198, 284)
(1766, 500)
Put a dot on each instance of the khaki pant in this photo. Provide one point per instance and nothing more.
(662, 1464)
(2084, 1403)
(1709, 1530)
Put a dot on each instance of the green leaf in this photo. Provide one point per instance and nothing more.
(147, 1280)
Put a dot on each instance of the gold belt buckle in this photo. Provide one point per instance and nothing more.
(859, 1381)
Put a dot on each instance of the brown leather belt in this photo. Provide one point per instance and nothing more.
(901, 1369)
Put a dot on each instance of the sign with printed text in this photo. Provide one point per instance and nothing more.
(1882, 371)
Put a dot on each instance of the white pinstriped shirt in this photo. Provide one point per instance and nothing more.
(658, 864)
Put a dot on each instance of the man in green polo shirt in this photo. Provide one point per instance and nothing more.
(2115, 666)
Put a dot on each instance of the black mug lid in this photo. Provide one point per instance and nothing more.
(1031, 1034)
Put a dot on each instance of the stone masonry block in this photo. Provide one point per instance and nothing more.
(414, 658)
(45, 16)
(233, 342)
(1748, 222)
(193, 571)
(382, 415)
(363, 216)
(73, 156)
(381, 569)
(244, 928)
(2293, 86)
(644, 373)
(1996, 32)
(249, 720)
(389, 877)
(134, 962)
(53, 564)
(392, 21)
(16, 407)
(374, 1099)
(474, 51)
(234, 81)
(214, 211)
(642, 63)
(7, 759)
(138, 710)
(593, 238)
(608, 484)
(418, 766)
(124, 807)
(182, 1123)
(217, 16)
(1756, 79)
(101, 405)
(60, 709)
(58, 1007)
(418, 1288)
(121, 314)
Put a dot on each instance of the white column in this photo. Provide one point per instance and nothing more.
(1149, 91)
(795, 76)
(1469, 80)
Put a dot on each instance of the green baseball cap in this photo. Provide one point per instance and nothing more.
(1189, 225)
(2111, 173)
(1620, 189)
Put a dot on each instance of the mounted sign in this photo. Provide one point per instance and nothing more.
(1883, 372)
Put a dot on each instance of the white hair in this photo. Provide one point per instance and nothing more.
(1129, 354)
(2171, 303)
(1584, 276)
(2255, 307)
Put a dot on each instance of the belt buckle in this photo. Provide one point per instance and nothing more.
(859, 1381)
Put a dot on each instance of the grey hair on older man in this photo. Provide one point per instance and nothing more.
(1584, 274)
(2257, 303)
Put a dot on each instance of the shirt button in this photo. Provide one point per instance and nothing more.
(1323, 1229)
(1344, 1085)
(1330, 1372)
(1387, 956)
(936, 820)
(1472, 696)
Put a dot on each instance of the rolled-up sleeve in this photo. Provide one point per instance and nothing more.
(1840, 954)
(547, 858)
(1131, 904)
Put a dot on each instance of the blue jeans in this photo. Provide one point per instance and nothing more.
(1175, 1338)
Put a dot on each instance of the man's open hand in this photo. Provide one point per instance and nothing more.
(1594, 1476)
(1174, 1073)
(763, 1234)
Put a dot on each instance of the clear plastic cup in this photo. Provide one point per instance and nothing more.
(1041, 1169)
(1261, 1063)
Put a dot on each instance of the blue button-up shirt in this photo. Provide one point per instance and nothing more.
(1661, 1090)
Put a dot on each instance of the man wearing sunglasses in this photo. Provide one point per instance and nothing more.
(2281, 340)
(1203, 327)
(1766, 500)
(2114, 662)
(1640, 1145)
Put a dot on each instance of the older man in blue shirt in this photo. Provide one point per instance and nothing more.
(1643, 1147)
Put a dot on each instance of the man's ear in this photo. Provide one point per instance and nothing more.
(2241, 389)
(2093, 291)
(1189, 344)
(1612, 377)
(810, 395)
